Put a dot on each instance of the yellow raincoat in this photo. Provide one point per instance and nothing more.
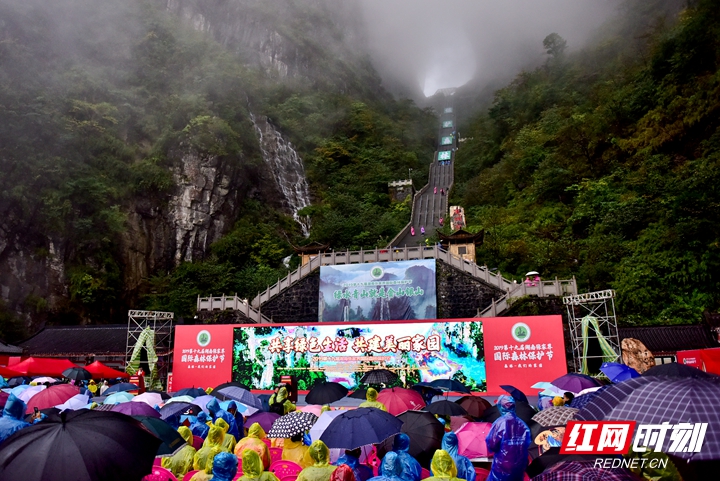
(229, 441)
(253, 467)
(297, 452)
(182, 461)
(254, 441)
(443, 467)
(372, 401)
(321, 470)
(282, 397)
(212, 445)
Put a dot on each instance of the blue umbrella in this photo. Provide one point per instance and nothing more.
(579, 402)
(516, 394)
(171, 409)
(190, 391)
(360, 427)
(618, 372)
(120, 387)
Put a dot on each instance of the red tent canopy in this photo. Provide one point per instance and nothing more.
(7, 372)
(100, 370)
(42, 366)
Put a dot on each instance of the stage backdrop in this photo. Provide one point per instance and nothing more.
(377, 291)
(482, 353)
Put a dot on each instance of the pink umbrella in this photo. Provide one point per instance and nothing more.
(52, 396)
(152, 399)
(398, 400)
(30, 392)
(471, 439)
(311, 408)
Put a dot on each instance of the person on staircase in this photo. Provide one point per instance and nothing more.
(435, 190)
(422, 230)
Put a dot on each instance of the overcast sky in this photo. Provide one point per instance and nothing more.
(445, 43)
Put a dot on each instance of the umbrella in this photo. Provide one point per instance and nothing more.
(426, 387)
(178, 408)
(163, 395)
(178, 399)
(583, 471)
(265, 420)
(101, 371)
(43, 380)
(523, 410)
(425, 433)
(31, 391)
(77, 374)
(575, 382)
(675, 369)
(292, 424)
(457, 421)
(125, 450)
(471, 439)
(311, 408)
(618, 372)
(322, 423)
(398, 400)
(533, 273)
(118, 397)
(76, 402)
(202, 401)
(516, 394)
(52, 396)
(120, 387)
(379, 376)
(551, 457)
(190, 391)
(18, 389)
(3, 398)
(548, 389)
(449, 385)
(135, 409)
(326, 393)
(360, 427)
(445, 408)
(152, 399)
(582, 400)
(474, 405)
(359, 393)
(655, 400)
(240, 395)
(555, 416)
(171, 439)
(231, 384)
(18, 381)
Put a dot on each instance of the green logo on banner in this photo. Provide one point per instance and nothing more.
(203, 338)
(377, 272)
(521, 332)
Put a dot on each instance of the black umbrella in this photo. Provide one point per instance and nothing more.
(120, 387)
(326, 393)
(379, 376)
(46, 411)
(77, 374)
(523, 410)
(516, 394)
(190, 391)
(231, 384)
(172, 409)
(359, 393)
(449, 385)
(238, 394)
(445, 408)
(360, 427)
(675, 369)
(18, 380)
(425, 433)
(474, 405)
(292, 424)
(551, 457)
(81, 445)
(171, 439)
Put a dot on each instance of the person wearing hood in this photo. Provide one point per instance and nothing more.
(182, 461)
(254, 442)
(391, 468)
(296, 451)
(465, 468)
(280, 402)
(508, 439)
(343, 473)
(229, 441)
(321, 470)
(371, 400)
(217, 412)
(351, 458)
(443, 467)
(225, 466)
(211, 447)
(13, 417)
(199, 427)
(410, 468)
(253, 469)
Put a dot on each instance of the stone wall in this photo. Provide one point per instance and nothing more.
(297, 304)
(460, 295)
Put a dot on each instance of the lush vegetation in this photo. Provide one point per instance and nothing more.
(605, 164)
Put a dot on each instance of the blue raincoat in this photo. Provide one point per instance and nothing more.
(200, 427)
(465, 468)
(411, 469)
(361, 472)
(217, 412)
(225, 466)
(13, 417)
(391, 468)
(509, 439)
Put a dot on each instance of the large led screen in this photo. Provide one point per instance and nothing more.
(377, 291)
(416, 351)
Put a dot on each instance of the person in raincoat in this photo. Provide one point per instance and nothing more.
(200, 427)
(182, 461)
(252, 467)
(294, 450)
(217, 412)
(343, 473)
(465, 468)
(254, 441)
(443, 467)
(13, 417)
(371, 400)
(351, 458)
(225, 466)
(212, 446)
(391, 468)
(229, 441)
(321, 470)
(508, 439)
(279, 402)
(410, 468)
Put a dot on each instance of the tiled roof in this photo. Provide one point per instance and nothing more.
(670, 339)
(7, 349)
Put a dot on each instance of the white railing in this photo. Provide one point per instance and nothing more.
(233, 303)
(558, 288)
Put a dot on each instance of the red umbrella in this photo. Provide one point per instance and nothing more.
(7, 372)
(398, 400)
(100, 370)
(474, 405)
(40, 366)
(471, 439)
(52, 396)
(457, 421)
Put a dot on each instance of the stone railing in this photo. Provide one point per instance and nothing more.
(232, 303)
(558, 288)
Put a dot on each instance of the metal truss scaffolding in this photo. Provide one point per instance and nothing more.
(594, 313)
(161, 324)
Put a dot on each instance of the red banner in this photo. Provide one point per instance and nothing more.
(202, 355)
